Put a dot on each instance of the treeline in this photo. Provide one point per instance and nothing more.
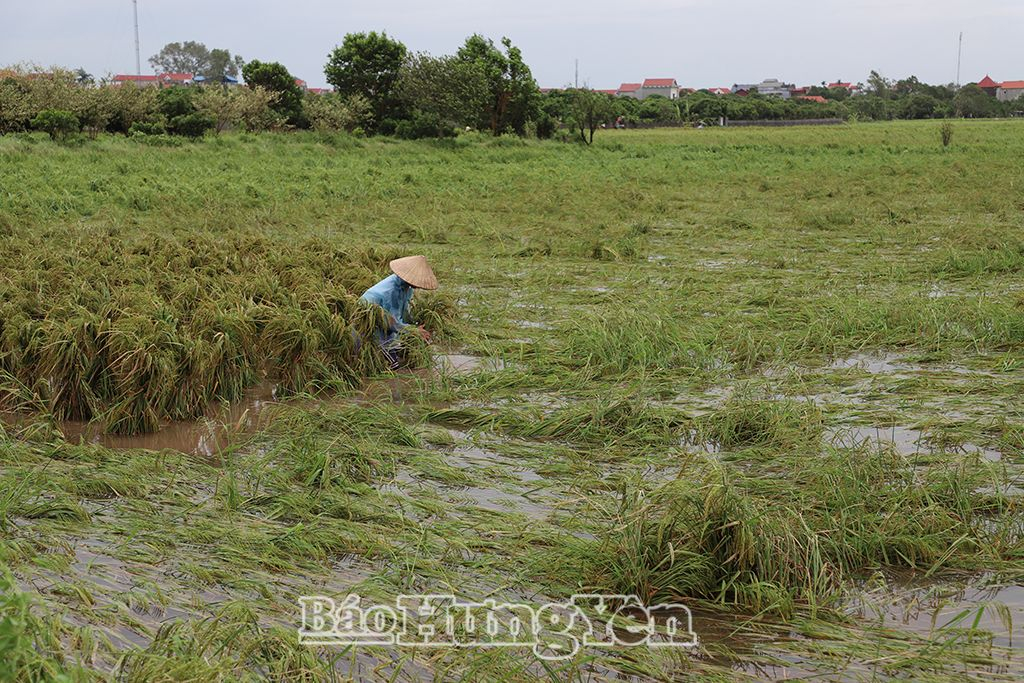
(881, 100)
(380, 87)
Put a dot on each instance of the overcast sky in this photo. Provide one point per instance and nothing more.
(702, 43)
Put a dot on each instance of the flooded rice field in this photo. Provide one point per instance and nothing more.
(775, 383)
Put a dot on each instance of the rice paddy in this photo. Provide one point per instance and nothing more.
(772, 375)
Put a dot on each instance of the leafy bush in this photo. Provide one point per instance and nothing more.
(946, 133)
(156, 127)
(175, 102)
(274, 77)
(192, 125)
(423, 125)
(157, 140)
(546, 126)
(248, 108)
(332, 112)
(57, 123)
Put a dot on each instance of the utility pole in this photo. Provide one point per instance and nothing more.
(959, 51)
(577, 80)
(138, 61)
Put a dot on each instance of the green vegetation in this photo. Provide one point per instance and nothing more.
(773, 375)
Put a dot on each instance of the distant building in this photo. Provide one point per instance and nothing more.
(630, 90)
(666, 87)
(225, 80)
(612, 91)
(301, 83)
(154, 81)
(988, 85)
(1009, 90)
(720, 91)
(811, 98)
(138, 81)
(771, 87)
(177, 79)
(320, 91)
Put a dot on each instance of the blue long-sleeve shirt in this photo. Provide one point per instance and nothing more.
(393, 295)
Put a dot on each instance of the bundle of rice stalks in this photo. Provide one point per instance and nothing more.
(768, 543)
(745, 421)
(437, 312)
(135, 331)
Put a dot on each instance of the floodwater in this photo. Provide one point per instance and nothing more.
(205, 437)
(459, 364)
(208, 436)
(874, 363)
(905, 440)
(928, 606)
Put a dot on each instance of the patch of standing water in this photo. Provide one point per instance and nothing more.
(209, 435)
(874, 363)
(927, 606)
(532, 324)
(459, 364)
(905, 440)
(204, 437)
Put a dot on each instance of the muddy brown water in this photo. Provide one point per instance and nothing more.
(211, 434)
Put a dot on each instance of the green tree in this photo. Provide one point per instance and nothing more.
(368, 64)
(453, 90)
(703, 106)
(512, 91)
(973, 102)
(587, 111)
(871, 107)
(837, 94)
(191, 57)
(57, 123)
(879, 86)
(917, 106)
(273, 77)
(175, 101)
(221, 65)
(657, 108)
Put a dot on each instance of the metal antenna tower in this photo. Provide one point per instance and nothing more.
(138, 61)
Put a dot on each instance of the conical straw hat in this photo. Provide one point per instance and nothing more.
(415, 271)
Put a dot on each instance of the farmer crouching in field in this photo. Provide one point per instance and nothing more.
(393, 294)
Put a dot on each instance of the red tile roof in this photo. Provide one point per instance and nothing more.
(129, 77)
(630, 87)
(613, 91)
(176, 77)
(659, 82)
(299, 82)
(987, 82)
(320, 91)
(812, 98)
(840, 84)
(719, 91)
(1012, 85)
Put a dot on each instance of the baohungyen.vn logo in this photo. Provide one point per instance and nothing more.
(553, 630)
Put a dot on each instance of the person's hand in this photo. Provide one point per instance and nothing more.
(424, 333)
